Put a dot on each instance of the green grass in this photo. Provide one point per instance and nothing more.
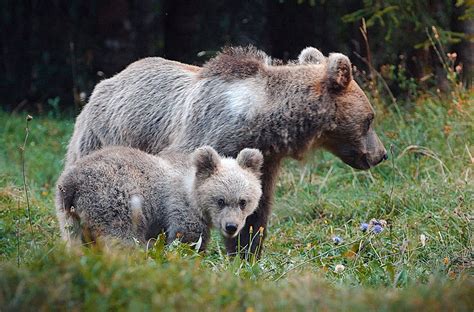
(425, 189)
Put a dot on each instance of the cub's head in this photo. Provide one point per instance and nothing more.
(352, 136)
(227, 190)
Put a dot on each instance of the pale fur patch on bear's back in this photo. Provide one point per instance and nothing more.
(244, 97)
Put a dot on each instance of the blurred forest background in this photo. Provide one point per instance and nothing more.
(53, 52)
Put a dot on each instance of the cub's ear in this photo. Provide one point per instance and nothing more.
(206, 161)
(339, 71)
(252, 159)
(311, 55)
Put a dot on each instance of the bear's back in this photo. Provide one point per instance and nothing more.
(111, 176)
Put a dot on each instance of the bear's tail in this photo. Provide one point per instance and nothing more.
(69, 219)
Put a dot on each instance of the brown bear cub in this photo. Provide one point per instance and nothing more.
(124, 194)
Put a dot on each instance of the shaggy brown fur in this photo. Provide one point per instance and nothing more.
(123, 194)
(241, 98)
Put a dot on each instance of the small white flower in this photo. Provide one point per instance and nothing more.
(423, 240)
(339, 268)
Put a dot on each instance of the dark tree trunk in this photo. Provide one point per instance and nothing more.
(182, 26)
(287, 27)
(16, 64)
(465, 49)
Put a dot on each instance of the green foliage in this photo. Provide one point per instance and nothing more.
(397, 35)
(469, 12)
(128, 281)
(44, 151)
(395, 16)
(420, 261)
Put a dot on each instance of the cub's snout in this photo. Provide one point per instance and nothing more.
(231, 228)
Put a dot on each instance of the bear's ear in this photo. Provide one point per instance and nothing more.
(206, 161)
(252, 159)
(339, 71)
(311, 55)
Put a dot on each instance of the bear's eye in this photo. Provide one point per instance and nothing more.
(221, 202)
(368, 123)
(242, 204)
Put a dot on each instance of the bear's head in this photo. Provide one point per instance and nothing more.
(351, 136)
(227, 190)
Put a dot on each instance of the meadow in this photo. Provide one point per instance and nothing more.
(316, 256)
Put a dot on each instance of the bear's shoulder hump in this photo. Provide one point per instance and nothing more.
(236, 63)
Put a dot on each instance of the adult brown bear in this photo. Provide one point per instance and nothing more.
(238, 99)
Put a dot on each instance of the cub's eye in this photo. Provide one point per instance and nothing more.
(221, 202)
(242, 204)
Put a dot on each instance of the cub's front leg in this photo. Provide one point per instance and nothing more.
(188, 232)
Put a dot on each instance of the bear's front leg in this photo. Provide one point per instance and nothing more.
(188, 232)
(247, 244)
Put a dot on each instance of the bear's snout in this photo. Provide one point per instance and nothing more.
(375, 151)
(231, 228)
(370, 161)
(384, 157)
(377, 160)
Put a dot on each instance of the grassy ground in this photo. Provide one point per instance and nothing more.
(422, 260)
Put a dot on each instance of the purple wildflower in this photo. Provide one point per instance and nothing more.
(377, 229)
(364, 226)
(337, 240)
